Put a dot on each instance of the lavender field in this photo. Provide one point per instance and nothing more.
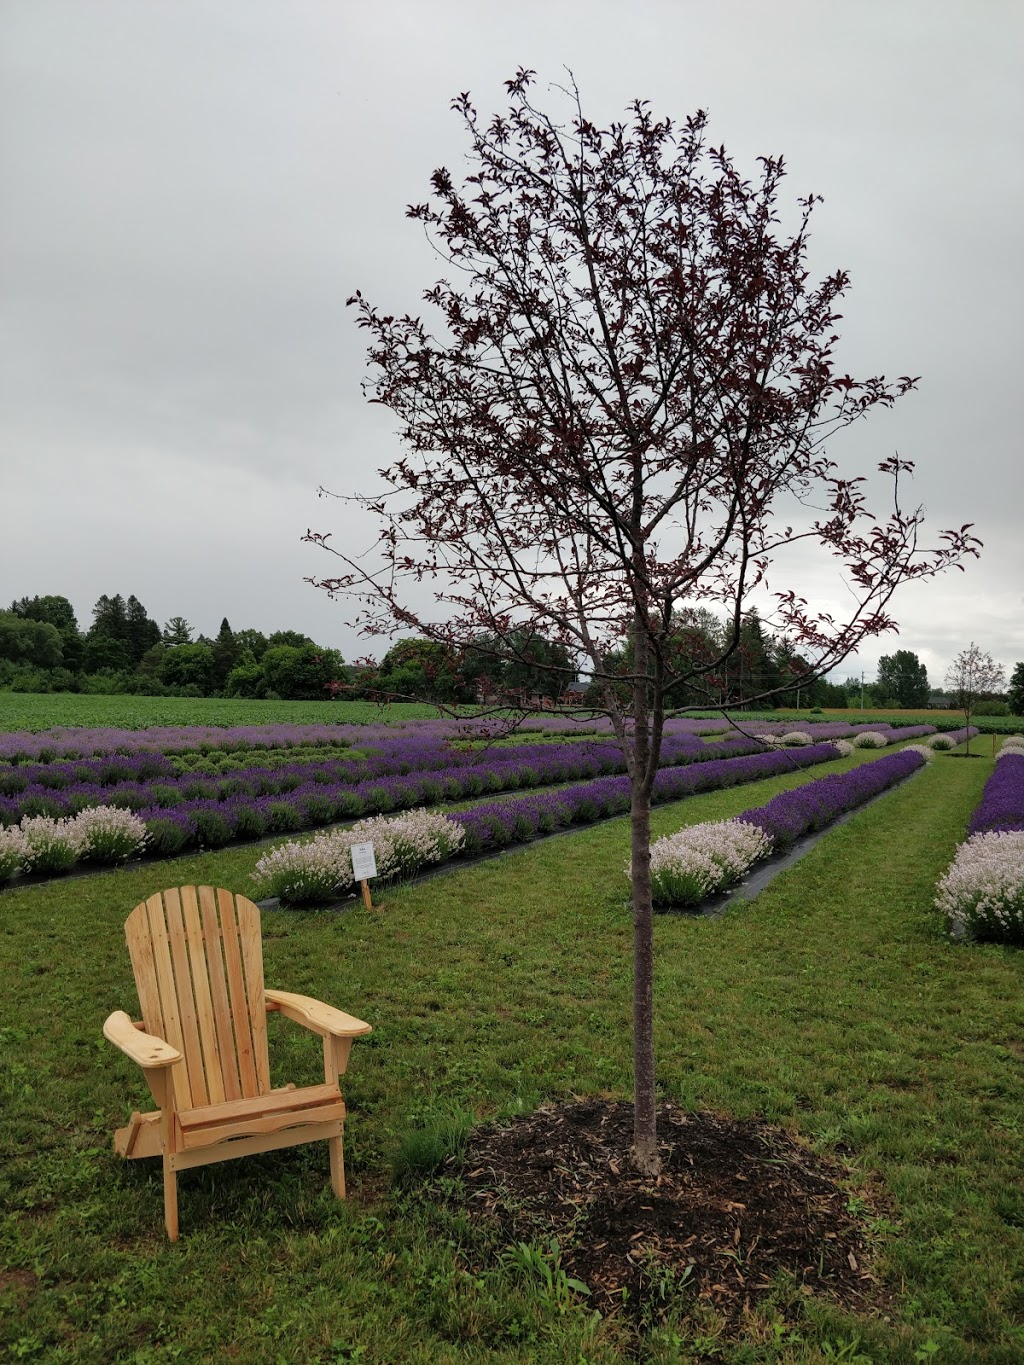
(170, 789)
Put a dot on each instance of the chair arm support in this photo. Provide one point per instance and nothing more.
(149, 1052)
(315, 1015)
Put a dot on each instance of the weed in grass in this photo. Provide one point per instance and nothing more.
(425, 1148)
(541, 1264)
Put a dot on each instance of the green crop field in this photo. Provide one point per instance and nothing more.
(833, 1005)
(40, 711)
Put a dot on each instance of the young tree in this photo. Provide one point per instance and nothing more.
(970, 676)
(622, 414)
(904, 677)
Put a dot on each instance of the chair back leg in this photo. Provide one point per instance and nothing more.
(170, 1199)
(337, 1166)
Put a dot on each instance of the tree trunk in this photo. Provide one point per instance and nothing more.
(645, 1137)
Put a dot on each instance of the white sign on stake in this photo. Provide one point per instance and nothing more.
(364, 864)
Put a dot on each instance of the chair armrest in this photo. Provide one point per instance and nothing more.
(315, 1015)
(143, 1048)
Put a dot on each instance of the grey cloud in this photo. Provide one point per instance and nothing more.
(191, 191)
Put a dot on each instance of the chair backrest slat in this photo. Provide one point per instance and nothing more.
(198, 959)
(236, 992)
(250, 937)
(219, 993)
(161, 950)
(204, 1003)
(186, 999)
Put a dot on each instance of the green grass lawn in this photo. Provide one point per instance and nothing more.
(834, 1005)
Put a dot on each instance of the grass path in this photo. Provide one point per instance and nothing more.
(833, 1004)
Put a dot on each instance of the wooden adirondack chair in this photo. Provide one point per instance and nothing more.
(197, 954)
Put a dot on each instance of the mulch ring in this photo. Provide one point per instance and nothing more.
(737, 1202)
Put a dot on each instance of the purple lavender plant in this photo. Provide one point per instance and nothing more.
(791, 814)
(1001, 807)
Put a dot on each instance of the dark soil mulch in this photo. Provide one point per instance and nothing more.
(737, 1202)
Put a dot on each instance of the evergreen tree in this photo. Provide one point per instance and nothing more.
(110, 619)
(107, 646)
(226, 651)
(753, 665)
(141, 631)
(56, 611)
(177, 631)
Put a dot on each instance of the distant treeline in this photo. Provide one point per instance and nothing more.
(43, 649)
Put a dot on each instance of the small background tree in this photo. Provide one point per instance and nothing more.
(903, 678)
(971, 676)
(1015, 695)
(620, 419)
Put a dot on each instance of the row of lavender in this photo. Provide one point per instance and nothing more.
(338, 788)
(68, 743)
(320, 869)
(59, 743)
(403, 775)
(702, 860)
(42, 844)
(982, 891)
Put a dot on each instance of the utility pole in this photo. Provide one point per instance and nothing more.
(862, 689)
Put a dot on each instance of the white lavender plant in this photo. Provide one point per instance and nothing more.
(941, 742)
(109, 834)
(52, 845)
(701, 859)
(871, 739)
(13, 851)
(321, 868)
(926, 753)
(983, 888)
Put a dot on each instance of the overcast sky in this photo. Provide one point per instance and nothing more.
(190, 192)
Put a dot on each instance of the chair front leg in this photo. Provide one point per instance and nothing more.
(336, 1051)
(162, 1086)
